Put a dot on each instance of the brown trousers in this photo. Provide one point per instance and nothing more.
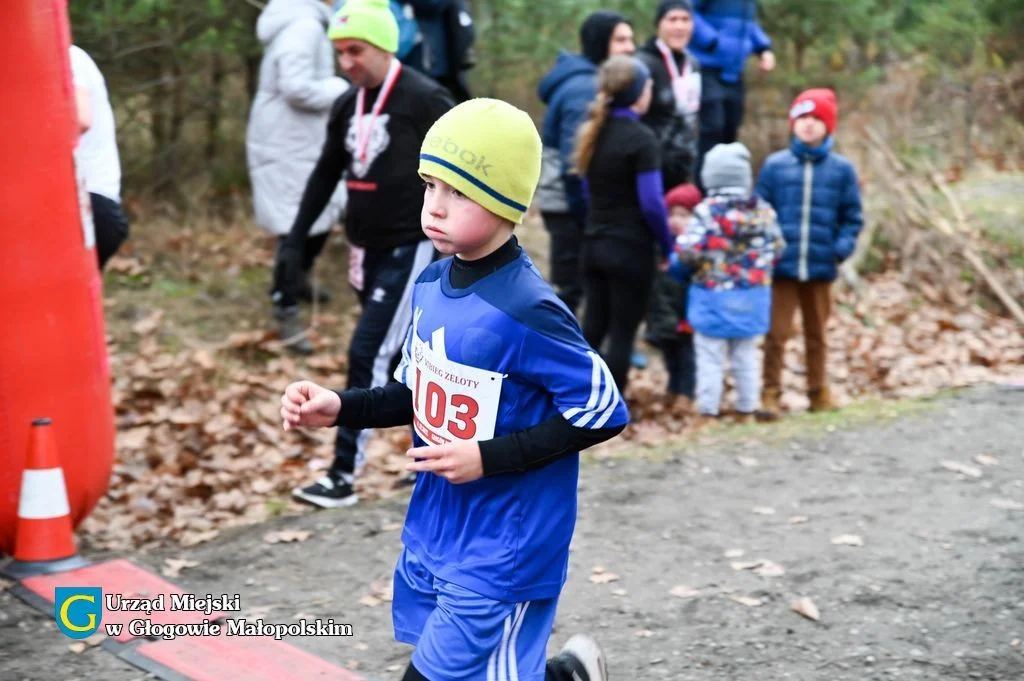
(814, 298)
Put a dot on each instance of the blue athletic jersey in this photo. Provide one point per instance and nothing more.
(498, 357)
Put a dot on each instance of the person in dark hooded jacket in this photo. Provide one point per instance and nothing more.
(567, 90)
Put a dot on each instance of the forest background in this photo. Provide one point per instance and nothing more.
(931, 97)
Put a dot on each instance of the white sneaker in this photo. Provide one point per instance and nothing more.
(588, 653)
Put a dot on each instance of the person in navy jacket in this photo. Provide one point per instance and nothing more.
(817, 197)
(567, 91)
(726, 33)
(445, 34)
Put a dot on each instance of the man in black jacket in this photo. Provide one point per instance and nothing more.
(374, 135)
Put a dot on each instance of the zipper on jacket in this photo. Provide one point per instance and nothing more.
(805, 221)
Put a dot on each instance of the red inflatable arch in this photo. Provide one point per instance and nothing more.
(53, 355)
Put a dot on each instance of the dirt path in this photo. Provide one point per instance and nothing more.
(935, 592)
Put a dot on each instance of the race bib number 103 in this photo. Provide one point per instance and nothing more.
(451, 401)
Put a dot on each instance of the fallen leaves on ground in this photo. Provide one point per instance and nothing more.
(806, 608)
(132, 267)
(765, 568)
(79, 647)
(286, 536)
(149, 324)
(602, 576)
(769, 569)
(746, 600)
(683, 591)
(381, 591)
(962, 468)
(848, 540)
(173, 566)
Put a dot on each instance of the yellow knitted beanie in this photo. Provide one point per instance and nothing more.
(490, 151)
(367, 20)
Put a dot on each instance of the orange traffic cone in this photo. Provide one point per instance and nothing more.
(44, 541)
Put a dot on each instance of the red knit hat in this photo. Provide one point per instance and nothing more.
(820, 103)
(685, 195)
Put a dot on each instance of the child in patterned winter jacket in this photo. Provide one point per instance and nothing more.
(731, 246)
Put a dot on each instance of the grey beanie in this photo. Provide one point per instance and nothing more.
(727, 165)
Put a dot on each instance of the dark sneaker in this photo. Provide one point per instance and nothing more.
(327, 492)
(585, 657)
(407, 480)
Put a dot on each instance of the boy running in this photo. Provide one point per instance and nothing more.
(503, 392)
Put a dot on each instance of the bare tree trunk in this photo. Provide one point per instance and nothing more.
(800, 49)
(968, 124)
(157, 132)
(178, 84)
(252, 61)
(213, 110)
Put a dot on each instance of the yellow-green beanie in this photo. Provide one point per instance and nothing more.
(368, 20)
(490, 151)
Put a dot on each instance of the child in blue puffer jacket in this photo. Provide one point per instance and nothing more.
(816, 195)
(731, 246)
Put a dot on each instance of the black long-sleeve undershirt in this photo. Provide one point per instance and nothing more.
(391, 405)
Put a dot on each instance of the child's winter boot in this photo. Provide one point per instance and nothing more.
(821, 400)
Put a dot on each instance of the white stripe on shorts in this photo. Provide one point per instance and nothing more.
(513, 665)
(503, 664)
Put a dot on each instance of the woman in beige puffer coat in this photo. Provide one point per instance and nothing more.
(288, 119)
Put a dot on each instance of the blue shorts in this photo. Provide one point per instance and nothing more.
(460, 634)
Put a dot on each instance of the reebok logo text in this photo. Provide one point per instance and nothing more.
(449, 147)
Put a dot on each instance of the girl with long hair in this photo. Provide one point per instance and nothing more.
(627, 225)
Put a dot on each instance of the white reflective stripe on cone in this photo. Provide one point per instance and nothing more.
(43, 495)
